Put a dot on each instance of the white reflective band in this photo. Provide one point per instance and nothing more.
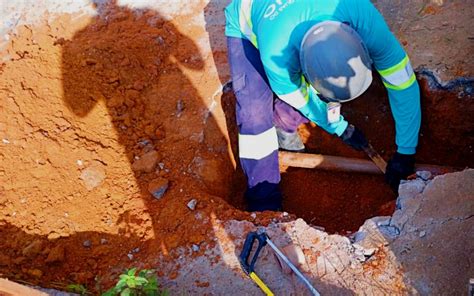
(297, 99)
(245, 21)
(258, 146)
(401, 76)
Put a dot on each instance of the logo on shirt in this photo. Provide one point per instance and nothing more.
(274, 9)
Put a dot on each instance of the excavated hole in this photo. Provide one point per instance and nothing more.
(341, 202)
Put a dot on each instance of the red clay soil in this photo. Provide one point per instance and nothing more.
(83, 100)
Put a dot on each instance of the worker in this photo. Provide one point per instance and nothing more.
(297, 60)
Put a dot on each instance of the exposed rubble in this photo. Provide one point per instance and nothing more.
(386, 256)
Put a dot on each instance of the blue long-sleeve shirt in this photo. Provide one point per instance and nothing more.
(277, 27)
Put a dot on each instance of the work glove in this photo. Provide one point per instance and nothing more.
(264, 196)
(354, 137)
(399, 167)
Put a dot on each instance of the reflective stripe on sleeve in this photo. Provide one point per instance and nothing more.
(297, 99)
(245, 21)
(300, 97)
(399, 77)
(258, 146)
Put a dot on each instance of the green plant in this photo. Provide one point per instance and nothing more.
(77, 288)
(130, 284)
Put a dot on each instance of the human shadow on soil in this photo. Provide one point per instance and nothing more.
(134, 61)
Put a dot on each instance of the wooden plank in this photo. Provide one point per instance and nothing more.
(328, 163)
(345, 164)
(9, 288)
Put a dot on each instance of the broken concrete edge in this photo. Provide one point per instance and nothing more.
(379, 231)
(328, 258)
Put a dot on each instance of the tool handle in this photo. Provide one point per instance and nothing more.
(312, 289)
(247, 249)
(376, 158)
(265, 289)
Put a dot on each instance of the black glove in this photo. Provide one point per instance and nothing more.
(399, 167)
(263, 197)
(354, 137)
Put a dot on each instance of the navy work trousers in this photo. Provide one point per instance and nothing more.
(257, 108)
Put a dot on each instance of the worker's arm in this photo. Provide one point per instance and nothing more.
(310, 105)
(393, 64)
(290, 86)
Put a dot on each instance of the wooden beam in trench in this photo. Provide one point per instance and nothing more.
(345, 164)
(9, 288)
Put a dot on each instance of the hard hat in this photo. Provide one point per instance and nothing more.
(335, 61)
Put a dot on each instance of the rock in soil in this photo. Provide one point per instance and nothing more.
(87, 244)
(158, 187)
(56, 254)
(33, 249)
(147, 162)
(192, 204)
(425, 175)
(93, 176)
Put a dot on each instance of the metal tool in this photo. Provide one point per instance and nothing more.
(263, 239)
(376, 158)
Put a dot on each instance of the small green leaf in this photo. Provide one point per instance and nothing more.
(140, 281)
(126, 292)
(143, 284)
(131, 272)
(143, 273)
(131, 282)
(153, 280)
(149, 288)
(76, 288)
(109, 292)
(121, 284)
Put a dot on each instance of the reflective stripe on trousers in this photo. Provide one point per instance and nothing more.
(257, 113)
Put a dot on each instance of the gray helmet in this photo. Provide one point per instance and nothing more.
(335, 61)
